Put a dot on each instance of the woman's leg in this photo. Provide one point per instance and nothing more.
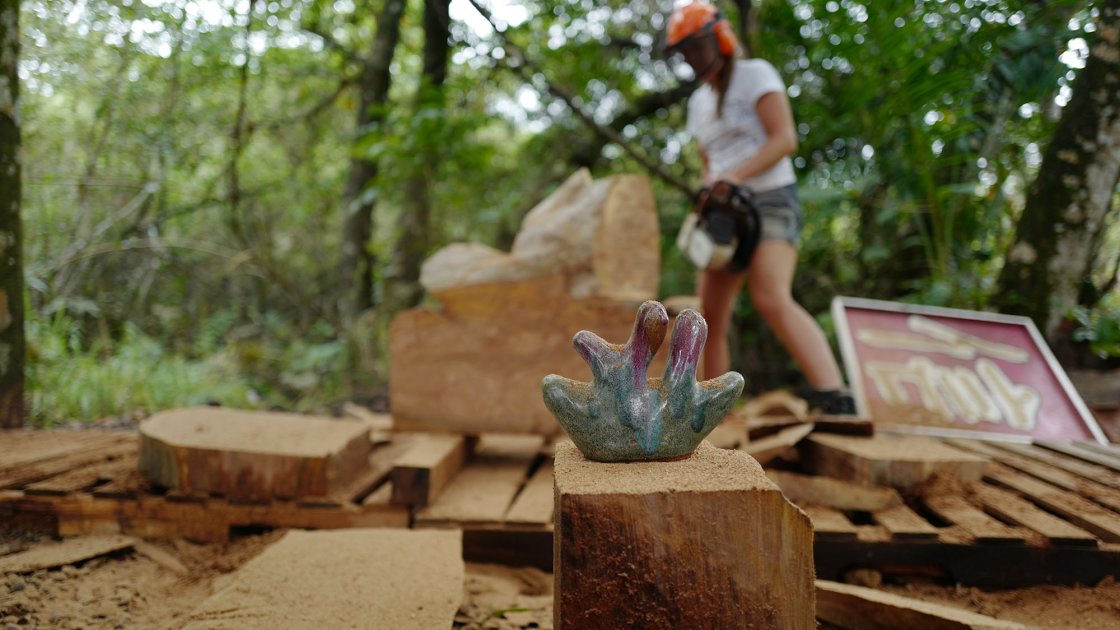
(717, 290)
(771, 279)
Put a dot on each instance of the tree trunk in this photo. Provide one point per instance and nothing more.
(415, 220)
(1069, 199)
(747, 25)
(11, 231)
(356, 266)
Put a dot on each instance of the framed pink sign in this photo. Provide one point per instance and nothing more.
(959, 373)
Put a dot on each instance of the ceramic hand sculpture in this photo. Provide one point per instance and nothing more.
(622, 415)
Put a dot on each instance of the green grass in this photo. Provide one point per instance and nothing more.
(70, 380)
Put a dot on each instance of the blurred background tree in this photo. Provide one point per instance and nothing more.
(227, 200)
(11, 228)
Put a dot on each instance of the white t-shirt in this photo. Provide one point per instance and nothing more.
(733, 138)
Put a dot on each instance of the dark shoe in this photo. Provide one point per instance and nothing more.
(830, 402)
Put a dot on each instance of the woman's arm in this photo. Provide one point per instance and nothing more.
(777, 118)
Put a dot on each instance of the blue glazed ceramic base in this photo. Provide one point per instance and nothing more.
(623, 415)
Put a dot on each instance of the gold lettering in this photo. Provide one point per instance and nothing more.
(986, 395)
(967, 396)
(1019, 403)
(941, 339)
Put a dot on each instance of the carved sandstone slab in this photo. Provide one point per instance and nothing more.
(252, 456)
(585, 259)
(704, 542)
(601, 234)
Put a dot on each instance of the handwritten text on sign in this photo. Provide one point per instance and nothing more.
(972, 371)
(982, 393)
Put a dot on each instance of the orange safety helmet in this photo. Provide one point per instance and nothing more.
(692, 18)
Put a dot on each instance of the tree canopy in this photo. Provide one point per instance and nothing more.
(196, 173)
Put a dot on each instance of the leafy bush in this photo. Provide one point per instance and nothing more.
(69, 379)
(1100, 327)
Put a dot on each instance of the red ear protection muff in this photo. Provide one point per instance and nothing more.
(721, 28)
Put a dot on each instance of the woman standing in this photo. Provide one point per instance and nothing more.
(741, 119)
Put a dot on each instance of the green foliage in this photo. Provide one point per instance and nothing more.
(1100, 327)
(924, 111)
(184, 227)
(69, 379)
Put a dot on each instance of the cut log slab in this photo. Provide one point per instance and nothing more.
(899, 462)
(252, 456)
(359, 578)
(707, 541)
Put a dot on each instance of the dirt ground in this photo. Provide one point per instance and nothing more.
(130, 590)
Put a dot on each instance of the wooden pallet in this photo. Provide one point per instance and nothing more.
(1037, 516)
(502, 501)
(1043, 513)
(88, 482)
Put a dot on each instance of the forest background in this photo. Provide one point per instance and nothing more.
(227, 200)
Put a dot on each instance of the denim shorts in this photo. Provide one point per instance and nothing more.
(779, 216)
(780, 213)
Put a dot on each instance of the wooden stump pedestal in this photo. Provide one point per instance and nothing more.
(704, 542)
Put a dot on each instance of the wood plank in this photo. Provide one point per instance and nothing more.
(125, 486)
(905, 524)
(844, 425)
(1010, 507)
(484, 490)
(388, 578)
(422, 472)
(758, 428)
(512, 546)
(1074, 450)
(1076, 466)
(1110, 450)
(731, 433)
(779, 402)
(379, 498)
(63, 553)
(830, 523)
(534, 504)
(834, 493)
(861, 608)
(769, 447)
(1081, 512)
(1109, 497)
(984, 528)
(994, 566)
(379, 467)
(149, 516)
(899, 462)
(25, 446)
(83, 478)
(161, 557)
(23, 475)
